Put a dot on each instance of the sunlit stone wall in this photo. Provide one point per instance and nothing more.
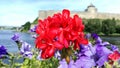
(90, 12)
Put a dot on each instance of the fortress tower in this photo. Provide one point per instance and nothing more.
(91, 9)
(90, 12)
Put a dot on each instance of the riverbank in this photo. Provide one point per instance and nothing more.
(113, 35)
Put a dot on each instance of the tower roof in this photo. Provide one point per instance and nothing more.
(91, 8)
(91, 5)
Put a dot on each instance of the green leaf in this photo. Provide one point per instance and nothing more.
(116, 64)
(107, 65)
(26, 61)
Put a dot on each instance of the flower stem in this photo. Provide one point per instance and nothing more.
(66, 53)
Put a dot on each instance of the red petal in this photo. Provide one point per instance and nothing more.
(66, 43)
(66, 13)
(58, 45)
(61, 37)
(53, 32)
(83, 41)
(40, 24)
(39, 43)
(50, 51)
(41, 46)
(114, 56)
(76, 46)
(77, 20)
(43, 54)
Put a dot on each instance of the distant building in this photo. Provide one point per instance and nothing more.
(90, 12)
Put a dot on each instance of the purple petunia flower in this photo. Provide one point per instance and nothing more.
(94, 35)
(88, 36)
(39, 55)
(98, 40)
(102, 52)
(33, 29)
(34, 36)
(57, 55)
(3, 51)
(86, 50)
(63, 64)
(100, 62)
(16, 37)
(85, 62)
(86, 56)
(72, 64)
(101, 55)
(114, 48)
(97, 54)
(25, 50)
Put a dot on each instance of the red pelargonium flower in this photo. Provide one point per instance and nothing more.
(56, 33)
(114, 56)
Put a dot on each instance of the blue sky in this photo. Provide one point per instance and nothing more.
(17, 12)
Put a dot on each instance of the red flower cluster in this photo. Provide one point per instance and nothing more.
(58, 31)
(114, 56)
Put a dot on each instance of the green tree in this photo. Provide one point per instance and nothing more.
(108, 26)
(118, 29)
(35, 21)
(93, 26)
(26, 27)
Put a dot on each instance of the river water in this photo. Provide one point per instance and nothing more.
(5, 39)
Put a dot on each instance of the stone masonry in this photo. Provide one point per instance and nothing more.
(89, 13)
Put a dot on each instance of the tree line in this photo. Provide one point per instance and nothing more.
(26, 27)
(102, 26)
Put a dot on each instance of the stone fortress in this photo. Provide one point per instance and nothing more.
(89, 13)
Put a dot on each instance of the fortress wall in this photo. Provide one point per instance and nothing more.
(44, 14)
(108, 16)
